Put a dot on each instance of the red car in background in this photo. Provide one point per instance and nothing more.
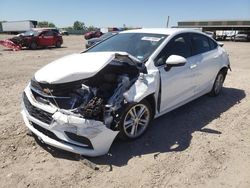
(38, 38)
(92, 34)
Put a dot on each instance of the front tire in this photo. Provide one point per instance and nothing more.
(135, 120)
(33, 46)
(218, 84)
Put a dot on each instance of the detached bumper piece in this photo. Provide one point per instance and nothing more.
(11, 45)
(63, 131)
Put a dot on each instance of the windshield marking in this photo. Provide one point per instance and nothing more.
(152, 39)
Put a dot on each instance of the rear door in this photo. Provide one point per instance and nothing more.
(177, 84)
(207, 57)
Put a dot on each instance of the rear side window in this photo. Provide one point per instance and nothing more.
(200, 43)
(179, 45)
(213, 44)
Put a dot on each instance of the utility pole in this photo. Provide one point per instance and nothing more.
(168, 21)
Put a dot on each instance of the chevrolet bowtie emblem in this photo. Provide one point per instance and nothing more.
(47, 90)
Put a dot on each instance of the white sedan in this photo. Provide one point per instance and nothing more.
(81, 102)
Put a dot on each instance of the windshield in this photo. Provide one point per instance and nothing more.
(30, 33)
(140, 45)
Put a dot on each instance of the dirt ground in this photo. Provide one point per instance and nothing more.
(205, 143)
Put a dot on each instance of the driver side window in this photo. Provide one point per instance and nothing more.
(179, 45)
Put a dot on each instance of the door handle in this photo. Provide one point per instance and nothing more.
(193, 66)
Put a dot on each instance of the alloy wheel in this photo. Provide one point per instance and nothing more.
(136, 120)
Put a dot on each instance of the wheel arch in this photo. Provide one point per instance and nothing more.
(151, 100)
(224, 70)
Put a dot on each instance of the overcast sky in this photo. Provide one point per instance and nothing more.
(114, 13)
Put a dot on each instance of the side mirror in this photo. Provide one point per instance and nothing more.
(221, 44)
(175, 61)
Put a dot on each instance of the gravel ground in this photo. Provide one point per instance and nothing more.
(205, 143)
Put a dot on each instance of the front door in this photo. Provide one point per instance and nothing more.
(178, 83)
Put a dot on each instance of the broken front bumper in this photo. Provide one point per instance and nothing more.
(63, 130)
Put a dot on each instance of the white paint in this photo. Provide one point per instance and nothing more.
(101, 143)
(144, 86)
(175, 60)
(99, 135)
(74, 67)
(179, 85)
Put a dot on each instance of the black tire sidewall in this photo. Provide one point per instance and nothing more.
(212, 92)
(33, 45)
(58, 44)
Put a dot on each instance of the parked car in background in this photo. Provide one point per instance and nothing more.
(242, 36)
(221, 35)
(39, 30)
(92, 34)
(36, 38)
(63, 32)
(211, 34)
(81, 102)
(93, 41)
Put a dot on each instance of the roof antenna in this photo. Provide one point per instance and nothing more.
(168, 21)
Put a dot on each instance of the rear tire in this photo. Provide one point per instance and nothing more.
(135, 120)
(58, 44)
(218, 84)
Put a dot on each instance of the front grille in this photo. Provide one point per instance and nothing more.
(35, 85)
(36, 112)
(62, 89)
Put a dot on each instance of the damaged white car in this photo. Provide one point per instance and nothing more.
(81, 102)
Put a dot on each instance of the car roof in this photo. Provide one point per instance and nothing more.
(44, 29)
(164, 31)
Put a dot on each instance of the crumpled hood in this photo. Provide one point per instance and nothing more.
(74, 67)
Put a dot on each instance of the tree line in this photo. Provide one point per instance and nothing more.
(77, 25)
